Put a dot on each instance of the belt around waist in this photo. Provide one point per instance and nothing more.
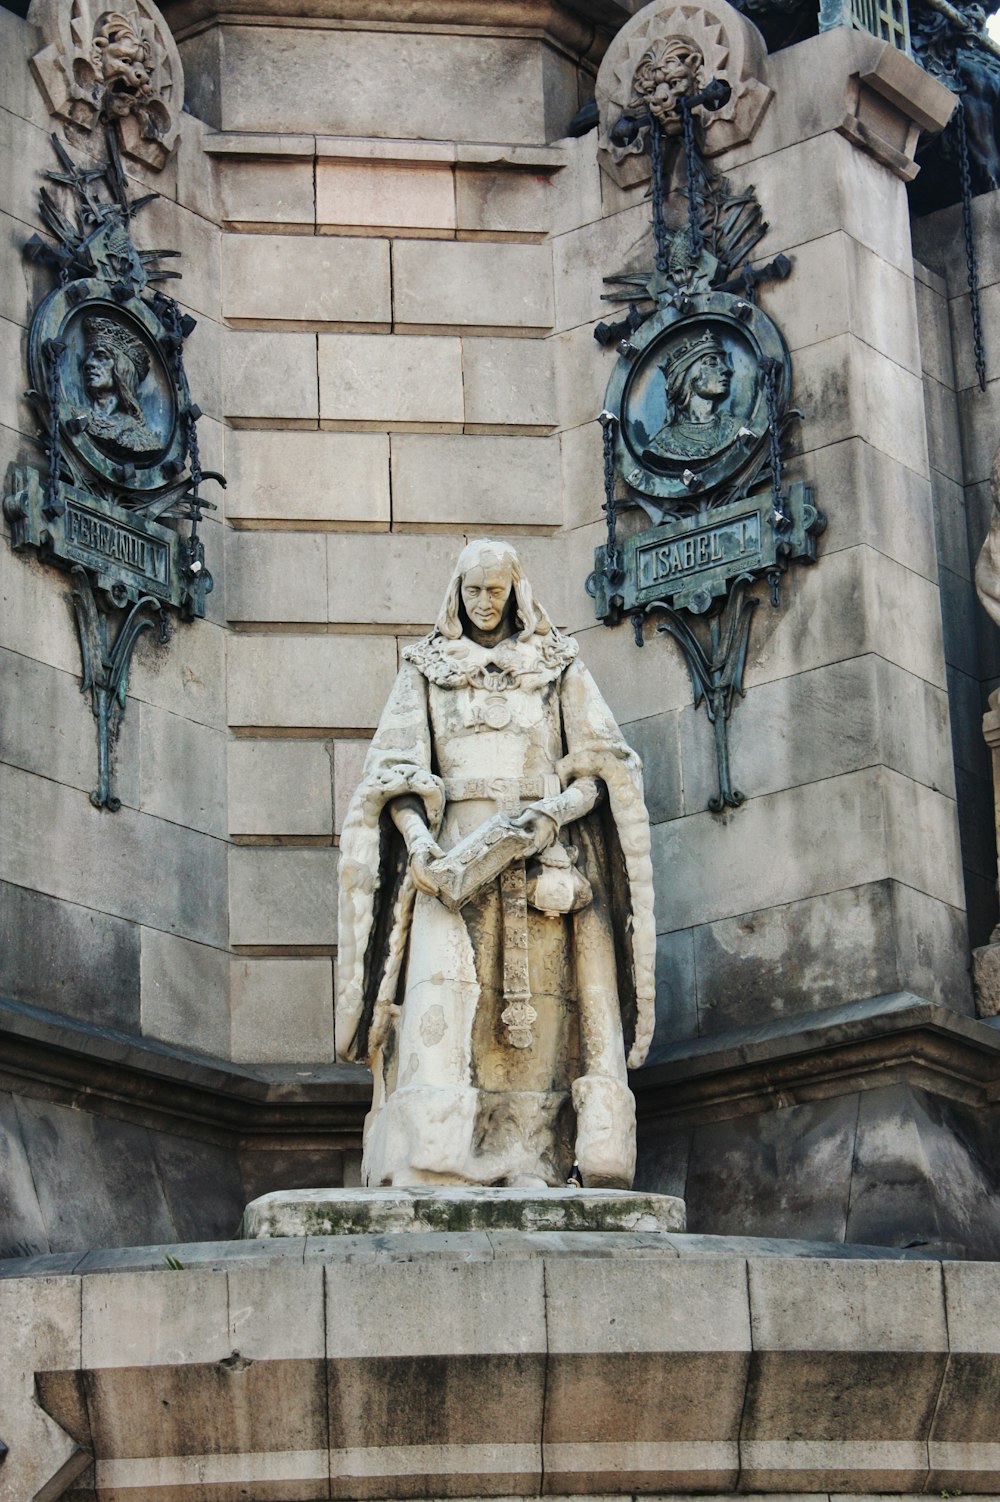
(501, 789)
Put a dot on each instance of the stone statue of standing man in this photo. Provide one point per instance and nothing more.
(496, 950)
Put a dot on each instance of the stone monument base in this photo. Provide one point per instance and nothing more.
(383, 1212)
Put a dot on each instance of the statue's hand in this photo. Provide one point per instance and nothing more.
(542, 826)
(421, 853)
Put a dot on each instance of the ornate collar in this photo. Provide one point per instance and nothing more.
(465, 664)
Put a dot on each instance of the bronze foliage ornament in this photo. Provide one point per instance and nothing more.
(118, 499)
(696, 414)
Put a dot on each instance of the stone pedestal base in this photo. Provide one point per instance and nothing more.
(383, 1212)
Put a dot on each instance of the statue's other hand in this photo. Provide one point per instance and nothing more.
(541, 825)
(421, 855)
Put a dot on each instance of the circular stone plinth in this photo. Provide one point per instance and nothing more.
(382, 1212)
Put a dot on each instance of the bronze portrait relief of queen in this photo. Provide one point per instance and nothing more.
(698, 375)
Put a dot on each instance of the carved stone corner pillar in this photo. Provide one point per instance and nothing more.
(101, 66)
(986, 959)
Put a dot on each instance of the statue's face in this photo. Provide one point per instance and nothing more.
(99, 371)
(712, 377)
(485, 592)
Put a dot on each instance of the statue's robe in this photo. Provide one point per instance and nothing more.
(420, 990)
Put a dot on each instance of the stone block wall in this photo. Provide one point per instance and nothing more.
(119, 920)
(963, 426)
(394, 354)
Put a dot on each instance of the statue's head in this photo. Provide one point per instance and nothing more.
(114, 360)
(698, 367)
(487, 583)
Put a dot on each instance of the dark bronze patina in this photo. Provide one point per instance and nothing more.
(119, 504)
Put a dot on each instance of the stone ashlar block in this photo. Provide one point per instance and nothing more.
(583, 257)
(391, 580)
(276, 576)
(307, 279)
(14, 411)
(56, 842)
(503, 202)
(24, 283)
(385, 195)
(863, 842)
(282, 1009)
(185, 992)
(944, 441)
(270, 375)
(182, 771)
(860, 197)
(979, 421)
(843, 947)
(281, 896)
(348, 764)
(960, 314)
(963, 1434)
(935, 237)
(166, 223)
(923, 1168)
(280, 787)
(136, 1319)
(69, 959)
(277, 1318)
(858, 602)
(508, 382)
(26, 150)
(47, 726)
(310, 682)
(263, 191)
(373, 1309)
(729, 1176)
(86, 1180)
(637, 683)
(847, 389)
(582, 472)
(432, 87)
(934, 326)
(186, 677)
(25, 1233)
(858, 1406)
(649, 1403)
(386, 380)
(838, 287)
(326, 478)
(847, 715)
(196, 185)
(451, 284)
(952, 525)
(477, 481)
(582, 371)
(42, 1323)
(575, 191)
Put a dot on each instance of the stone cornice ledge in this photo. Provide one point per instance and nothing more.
(172, 1089)
(582, 26)
(883, 1040)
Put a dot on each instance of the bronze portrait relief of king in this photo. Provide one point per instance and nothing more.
(115, 363)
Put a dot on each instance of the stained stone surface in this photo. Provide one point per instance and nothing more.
(382, 1212)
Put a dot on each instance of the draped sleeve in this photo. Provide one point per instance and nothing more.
(376, 891)
(595, 747)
